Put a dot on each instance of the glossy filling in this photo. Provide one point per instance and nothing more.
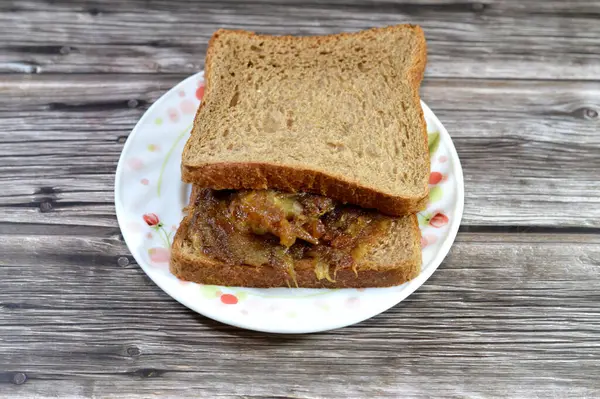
(267, 227)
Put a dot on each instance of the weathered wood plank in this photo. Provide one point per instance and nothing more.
(529, 149)
(505, 315)
(511, 315)
(557, 7)
(483, 39)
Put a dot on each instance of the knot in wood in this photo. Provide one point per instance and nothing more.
(19, 378)
(45, 206)
(133, 351)
(122, 261)
(590, 113)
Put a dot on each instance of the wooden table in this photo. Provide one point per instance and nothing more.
(513, 311)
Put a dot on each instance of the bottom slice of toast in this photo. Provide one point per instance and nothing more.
(393, 259)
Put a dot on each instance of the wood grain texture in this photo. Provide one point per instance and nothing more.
(529, 149)
(512, 312)
(514, 315)
(504, 39)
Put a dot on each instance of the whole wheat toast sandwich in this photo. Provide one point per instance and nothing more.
(308, 158)
(336, 115)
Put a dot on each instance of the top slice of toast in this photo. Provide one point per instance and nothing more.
(336, 115)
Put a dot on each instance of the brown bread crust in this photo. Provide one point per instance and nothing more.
(258, 176)
(264, 175)
(267, 277)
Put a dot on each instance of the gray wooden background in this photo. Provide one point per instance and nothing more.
(512, 312)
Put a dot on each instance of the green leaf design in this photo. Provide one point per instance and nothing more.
(323, 306)
(434, 142)
(291, 314)
(423, 218)
(209, 291)
(241, 295)
(166, 160)
(435, 194)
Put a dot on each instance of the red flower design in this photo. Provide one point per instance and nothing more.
(159, 255)
(151, 219)
(435, 177)
(200, 93)
(229, 299)
(438, 220)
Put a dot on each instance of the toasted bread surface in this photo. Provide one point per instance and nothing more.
(334, 115)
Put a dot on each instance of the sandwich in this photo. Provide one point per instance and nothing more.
(308, 160)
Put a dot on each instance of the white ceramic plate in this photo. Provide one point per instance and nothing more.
(149, 197)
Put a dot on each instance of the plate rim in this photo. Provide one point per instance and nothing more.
(411, 287)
